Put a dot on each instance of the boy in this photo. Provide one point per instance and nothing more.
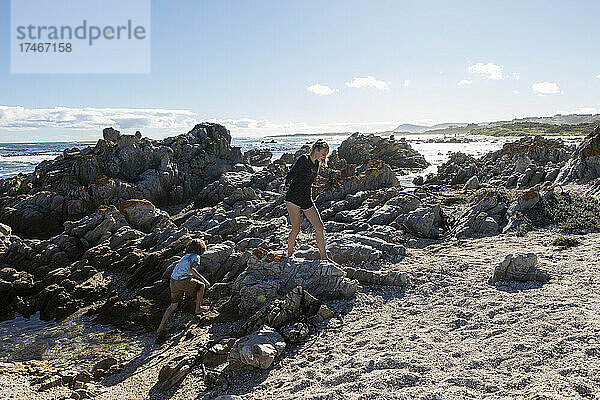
(182, 281)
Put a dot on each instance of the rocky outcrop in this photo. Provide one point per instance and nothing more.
(594, 190)
(457, 170)
(518, 267)
(258, 157)
(177, 368)
(360, 148)
(268, 277)
(257, 350)
(297, 306)
(484, 216)
(122, 249)
(584, 166)
(372, 175)
(522, 164)
(118, 168)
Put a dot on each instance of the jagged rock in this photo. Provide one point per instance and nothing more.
(120, 167)
(393, 208)
(459, 168)
(594, 190)
(472, 183)
(83, 376)
(217, 354)
(523, 163)
(370, 176)
(135, 314)
(213, 261)
(519, 267)
(484, 216)
(105, 364)
(350, 248)
(584, 166)
(359, 148)
(297, 304)
(424, 221)
(144, 216)
(266, 279)
(5, 232)
(51, 382)
(295, 332)
(258, 157)
(323, 314)
(175, 369)
(257, 350)
(230, 188)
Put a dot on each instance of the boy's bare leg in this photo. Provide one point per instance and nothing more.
(199, 299)
(168, 312)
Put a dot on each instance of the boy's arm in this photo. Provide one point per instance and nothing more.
(197, 274)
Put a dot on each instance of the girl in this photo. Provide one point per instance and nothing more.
(298, 183)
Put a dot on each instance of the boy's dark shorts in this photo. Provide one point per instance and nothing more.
(181, 286)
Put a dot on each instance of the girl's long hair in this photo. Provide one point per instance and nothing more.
(318, 145)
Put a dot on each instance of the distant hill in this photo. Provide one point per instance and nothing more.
(534, 128)
(411, 128)
(516, 126)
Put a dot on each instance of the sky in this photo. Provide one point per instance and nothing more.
(281, 67)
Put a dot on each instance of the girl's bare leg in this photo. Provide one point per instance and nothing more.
(315, 219)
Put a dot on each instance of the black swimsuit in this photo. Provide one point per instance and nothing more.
(300, 179)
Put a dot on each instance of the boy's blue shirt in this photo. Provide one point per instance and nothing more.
(182, 269)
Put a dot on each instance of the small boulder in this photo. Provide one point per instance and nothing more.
(472, 183)
(258, 350)
(519, 267)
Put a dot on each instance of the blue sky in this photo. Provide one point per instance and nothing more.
(250, 64)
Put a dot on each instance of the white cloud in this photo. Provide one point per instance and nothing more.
(598, 76)
(464, 82)
(264, 127)
(407, 82)
(321, 90)
(21, 118)
(516, 76)
(73, 121)
(369, 82)
(487, 71)
(545, 88)
(516, 92)
(580, 110)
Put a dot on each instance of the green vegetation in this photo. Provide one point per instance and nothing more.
(456, 199)
(570, 212)
(565, 242)
(533, 128)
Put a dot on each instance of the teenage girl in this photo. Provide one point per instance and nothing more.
(298, 184)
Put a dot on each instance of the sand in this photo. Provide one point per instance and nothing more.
(447, 335)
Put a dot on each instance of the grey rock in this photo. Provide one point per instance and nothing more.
(359, 148)
(295, 332)
(424, 221)
(484, 216)
(257, 350)
(258, 157)
(584, 166)
(519, 267)
(472, 183)
(173, 372)
(263, 280)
